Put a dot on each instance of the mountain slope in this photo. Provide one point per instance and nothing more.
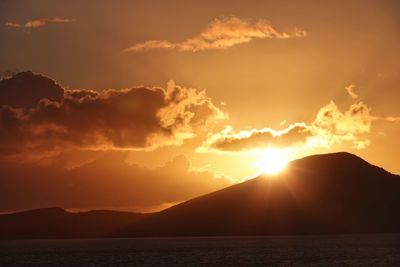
(331, 193)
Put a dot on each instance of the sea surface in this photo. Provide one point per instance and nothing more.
(339, 250)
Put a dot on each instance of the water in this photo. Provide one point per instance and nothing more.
(342, 250)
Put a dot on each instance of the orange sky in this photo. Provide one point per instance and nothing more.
(139, 105)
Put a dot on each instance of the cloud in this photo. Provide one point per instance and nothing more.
(330, 127)
(255, 139)
(25, 90)
(149, 45)
(386, 118)
(105, 182)
(38, 115)
(13, 25)
(37, 23)
(221, 34)
(350, 91)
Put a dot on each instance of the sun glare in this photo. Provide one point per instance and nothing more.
(272, 161)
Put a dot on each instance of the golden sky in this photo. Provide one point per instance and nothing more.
(141, 104)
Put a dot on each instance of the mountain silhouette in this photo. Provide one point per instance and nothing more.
(57, 223)
(320, 194)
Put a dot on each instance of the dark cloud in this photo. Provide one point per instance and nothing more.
(107, 182)
(39, 115)
(10, 130)
(25, 89)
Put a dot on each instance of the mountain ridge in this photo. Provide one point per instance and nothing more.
(55, 222)
(319, 194)
(306, 206)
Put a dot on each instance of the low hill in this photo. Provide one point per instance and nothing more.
(58, 223)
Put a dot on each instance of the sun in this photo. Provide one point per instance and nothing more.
(272, 161)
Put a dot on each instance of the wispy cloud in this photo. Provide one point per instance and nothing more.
(13, 25)
(351, 92)
(386, 118)
(37, 23)
(221, 34)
